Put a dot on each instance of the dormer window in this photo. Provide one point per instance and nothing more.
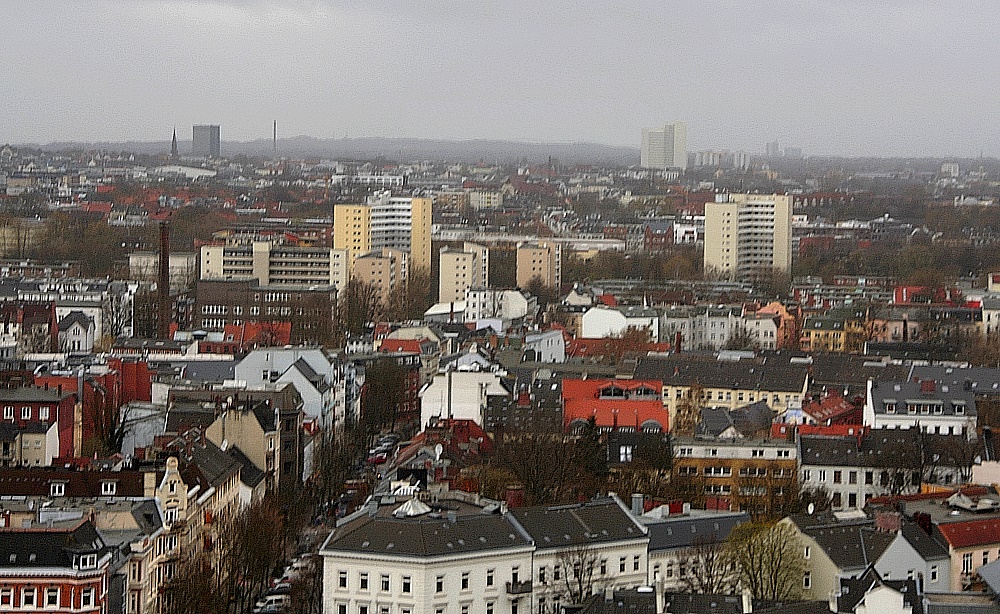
(57, 489)
(890, 407)
(88, 561)
(109, 488)
(959, 408)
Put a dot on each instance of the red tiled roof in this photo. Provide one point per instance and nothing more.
(400, 345)
(971, 533)
(582, 400)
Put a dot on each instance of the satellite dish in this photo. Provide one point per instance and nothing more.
(811, 508)
(438, 449)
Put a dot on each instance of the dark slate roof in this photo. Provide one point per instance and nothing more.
(683, 532)
(427, 535)
(751, 419)
(265, 416)
(215, 465)
(979, 380)
(209, 370)
(48, 547)
(182, 416)
(851, 546)
(27, 394)
(314, 378)
(925, 545)
(596, 521)
(853, 590)
(76, 317)
(683, 603)
(796, 607)
(636, 601)
(714, 421)
(147, 516)
(901, 392)
(840, 370)
(775, 373)
(250, 474)
(8, 431)
(36, 482)
(880, 448)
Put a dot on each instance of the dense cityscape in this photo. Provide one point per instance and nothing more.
(711, 381)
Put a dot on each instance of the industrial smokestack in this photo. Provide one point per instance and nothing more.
(163, 284)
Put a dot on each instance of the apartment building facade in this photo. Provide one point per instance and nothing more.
(748, 236)
(275, 264)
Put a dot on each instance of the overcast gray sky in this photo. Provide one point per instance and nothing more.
(852, 77)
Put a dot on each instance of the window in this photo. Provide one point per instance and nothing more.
(465, 581)
(621, 564)
(57, 489)
(514, 574)
(625, 454)
(26, 413)
(513, 607)
(489, 577)
(87, 598)
(934, 573)
(109, 488)
(489, 607)
(406, 584)
(967, 562)
(362, 609)
(43, 413)
(341, 608)
(806, 475)
(807, 551)
(385, 582)
(88, 561)
(807, 580)
(51, 597)
(852, 500)
(852, 477)
(869, 477)
(986, 557)
(6, 596)
(342, 579)
(541, 575)
(604, 566)
(836, 501)
(28, 597)
(439, 584)
(556, 573)
(364, 581)
(838, 476)
(822, 475)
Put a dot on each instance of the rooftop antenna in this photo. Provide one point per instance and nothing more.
(275, 138)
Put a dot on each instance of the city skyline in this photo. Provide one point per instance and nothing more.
(847, 78)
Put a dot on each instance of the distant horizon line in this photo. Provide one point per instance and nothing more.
(509, 141)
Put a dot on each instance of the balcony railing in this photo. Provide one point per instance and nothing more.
(519, 588)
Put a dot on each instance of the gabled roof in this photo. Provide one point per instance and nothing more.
(686, 531)
(314, 378)
(854, 590)
(879, 448)
(775, 374)
(971, 532)
(76, 317)
(250, 474)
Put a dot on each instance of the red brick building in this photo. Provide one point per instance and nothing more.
(24, 406)
(57, 569)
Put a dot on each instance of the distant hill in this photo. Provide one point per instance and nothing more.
(367, 148)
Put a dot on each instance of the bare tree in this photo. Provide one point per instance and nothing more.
(578, 564)
(768, 560)
(710, 568)
(546, 465)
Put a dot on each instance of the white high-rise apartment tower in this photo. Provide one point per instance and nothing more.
(664, 148)
(748, 236)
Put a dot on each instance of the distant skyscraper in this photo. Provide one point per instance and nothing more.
(173, 145)
(206, 142)
(664, 148)
(773, 150)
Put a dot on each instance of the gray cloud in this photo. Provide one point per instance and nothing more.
(839, 76)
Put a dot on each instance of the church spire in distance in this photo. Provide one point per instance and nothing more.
(173, 145)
